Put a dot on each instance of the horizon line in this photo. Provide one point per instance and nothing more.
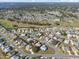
(38, 2)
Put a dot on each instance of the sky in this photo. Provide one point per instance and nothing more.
(39, 0)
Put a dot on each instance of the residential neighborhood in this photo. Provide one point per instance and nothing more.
(22, 42)
(39, 30)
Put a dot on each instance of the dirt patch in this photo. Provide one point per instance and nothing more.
(2, 55)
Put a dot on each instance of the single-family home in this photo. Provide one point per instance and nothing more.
(43, 48)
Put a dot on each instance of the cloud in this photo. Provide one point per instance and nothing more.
(56, 0)
(17, 0)
(69, 0)
(6, 0)
(39, 0)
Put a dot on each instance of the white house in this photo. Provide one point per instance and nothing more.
(29, 39)
(43, 48)
(66, 41)
(38, 44)
(7, 49)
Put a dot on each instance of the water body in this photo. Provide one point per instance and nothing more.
(33, 4)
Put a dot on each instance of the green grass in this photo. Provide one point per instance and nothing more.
(60, 51)
(10, 24)
(78, 52)
(35, 58)
(6, 23)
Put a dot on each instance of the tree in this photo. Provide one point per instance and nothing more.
(35, 49)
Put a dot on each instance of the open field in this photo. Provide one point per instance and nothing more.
(6, 23)
(10, 24)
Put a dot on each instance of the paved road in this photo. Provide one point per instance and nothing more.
(54, 55)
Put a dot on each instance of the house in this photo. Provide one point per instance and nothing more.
(11, 53)
(55, 42)
(58, 33)
(66, 41)
(57, 19)
(39, 34)
(15, 57)
(55, 38)
(50, 35)
(23, 44)
(77, 44)
(69, 36)
(3, 45)
(38, 44)
(50, 41)
(35, 41)
(22, 35)
(2, 29)
(26, 57)
(29, 39)
(28, 47)
(43, 48)
(7, 49)
(18, 40)
(31, 51)
(47, 39)
(14, 31)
